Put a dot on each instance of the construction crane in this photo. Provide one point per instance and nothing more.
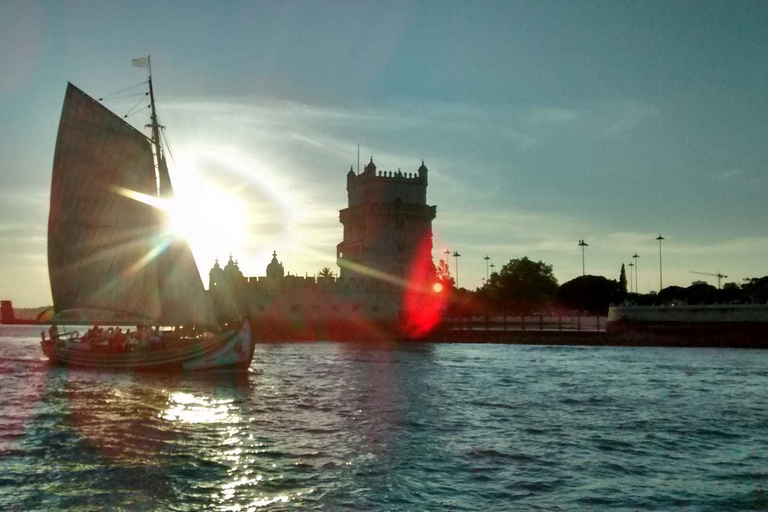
(719, 277)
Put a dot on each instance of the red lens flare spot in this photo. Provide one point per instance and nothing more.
(423, 300)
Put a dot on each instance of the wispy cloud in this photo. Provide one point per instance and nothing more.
(725, 176)
(34, 197)
(623, 116)
(521, 139)
(550, 115)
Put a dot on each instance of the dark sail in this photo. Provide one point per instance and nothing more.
(110, 257)
(102, 245)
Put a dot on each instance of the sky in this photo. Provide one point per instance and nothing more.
(542, 123)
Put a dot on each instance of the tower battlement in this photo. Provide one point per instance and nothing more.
(380, 186)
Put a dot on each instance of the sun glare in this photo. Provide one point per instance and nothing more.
(208, 216)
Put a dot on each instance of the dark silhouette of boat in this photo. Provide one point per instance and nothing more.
(113, 262)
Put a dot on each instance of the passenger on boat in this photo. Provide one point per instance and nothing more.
(154, 339)
(116, 340)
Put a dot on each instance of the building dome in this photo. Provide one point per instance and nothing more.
(232, 271)
(423, 167)
(371, 167)
(215, 276)
(275, 269)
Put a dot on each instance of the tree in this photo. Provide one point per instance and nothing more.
(325, 272)
(731, 294)
(591, 293)
(756, 290)
(673, 294)
(444, 275)
(522, 286)
(622, 291)
(702, 293)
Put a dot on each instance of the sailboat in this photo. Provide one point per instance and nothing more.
(113, 262)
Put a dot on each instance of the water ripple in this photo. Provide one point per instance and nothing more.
(399, 427)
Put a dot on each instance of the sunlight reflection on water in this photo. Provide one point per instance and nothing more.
(188, 408)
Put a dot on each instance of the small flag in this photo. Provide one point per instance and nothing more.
(142, 62)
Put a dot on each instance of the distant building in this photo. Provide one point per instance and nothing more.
(387, 221)
(7, 315)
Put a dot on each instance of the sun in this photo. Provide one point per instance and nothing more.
(209, 217)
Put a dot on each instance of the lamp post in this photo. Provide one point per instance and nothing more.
(660, 238)
(457, 256)
(487, 275)
(631, 278)
(492, 267)
(637, 283)
(448, 258)
(583, 244)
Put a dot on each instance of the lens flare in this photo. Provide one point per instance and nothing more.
(423, 303)
(204, 215)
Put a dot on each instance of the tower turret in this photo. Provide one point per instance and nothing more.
(275, 269)
(423, 173)
(215, 276)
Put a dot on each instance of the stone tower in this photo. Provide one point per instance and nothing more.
(385, 223)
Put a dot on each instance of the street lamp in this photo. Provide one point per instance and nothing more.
(631, 278)
(457, 256)
(583, 244)
(448, 259)
(637, 283)
(492, 267)
(487, 275)
(660, 238)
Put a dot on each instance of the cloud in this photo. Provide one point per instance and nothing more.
(623, 116)
(609, 119)
(726, 176)
(550, 115)
(34, 197)
(521, 139)
(262, 111)
(743, 245)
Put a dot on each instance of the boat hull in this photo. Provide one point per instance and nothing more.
(232, 350)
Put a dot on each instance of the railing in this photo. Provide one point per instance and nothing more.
(593, 323)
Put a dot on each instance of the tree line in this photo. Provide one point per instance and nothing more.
(524, 286)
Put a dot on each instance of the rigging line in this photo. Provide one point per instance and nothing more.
(167, 145)
(133, 107)
(129, 115)
(126, 96)
(123, 90)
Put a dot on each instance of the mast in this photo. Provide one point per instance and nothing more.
(163, 179)
(182, 296)
(153, 117)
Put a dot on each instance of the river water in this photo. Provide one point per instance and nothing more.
(337, 426)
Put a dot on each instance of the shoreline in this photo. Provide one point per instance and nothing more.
(553, 338)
